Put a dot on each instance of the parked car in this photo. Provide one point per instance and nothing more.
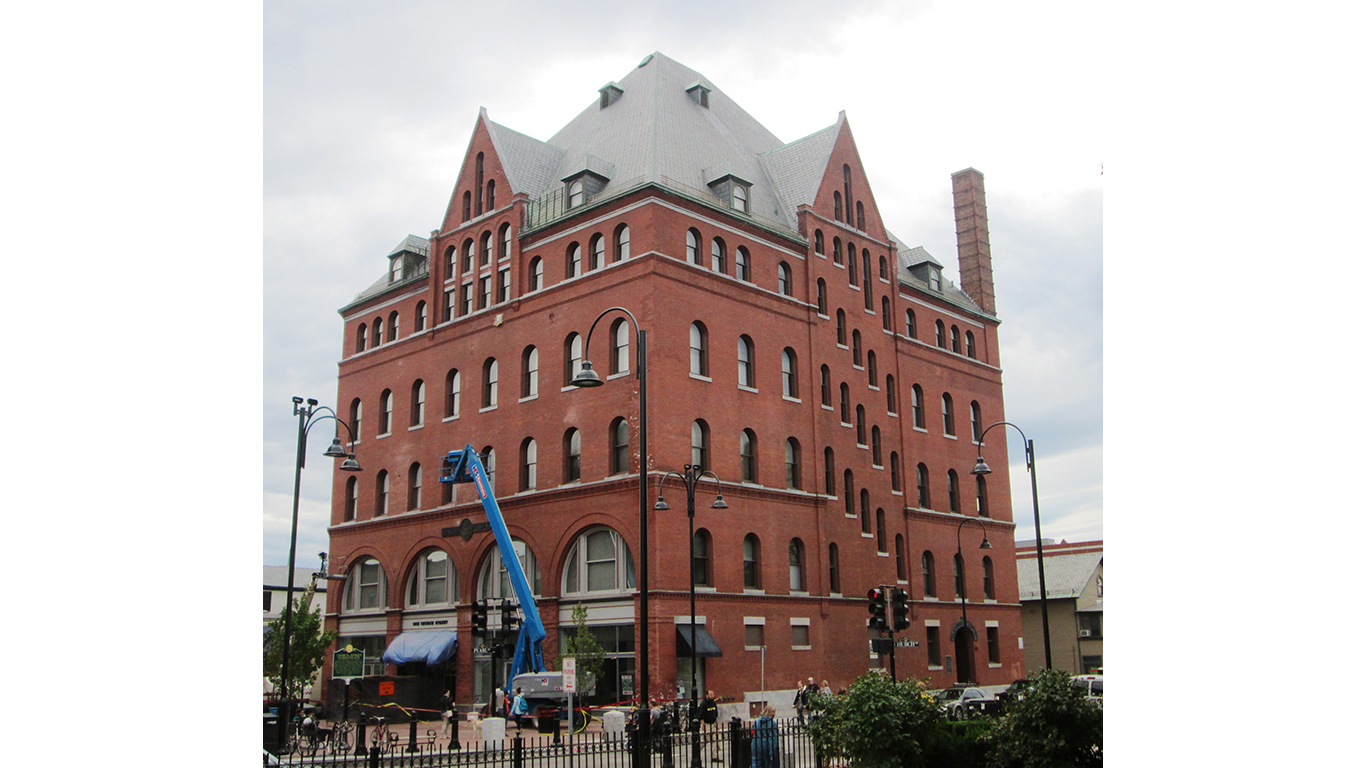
(1093, 685)
(1012, 693)
(960, 703)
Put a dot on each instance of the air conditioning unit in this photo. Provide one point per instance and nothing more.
(1086, 633)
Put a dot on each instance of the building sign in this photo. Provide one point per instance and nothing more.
(466, 529)
(348, 663)
(628, 686)
(386, 688)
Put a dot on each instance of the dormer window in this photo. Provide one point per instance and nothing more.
(608, 95)
(739, 199)
(698, 93)
(396, 268)
(586, 181)
(575, 194)
(732, 190)
(935, 278)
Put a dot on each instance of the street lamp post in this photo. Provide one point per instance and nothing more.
(309, 415)
(586, 377)
(983, 469)
(963, 586)
(692, 473)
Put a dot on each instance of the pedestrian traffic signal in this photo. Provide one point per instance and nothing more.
(901, 609)
(877, 606)
(481, 619)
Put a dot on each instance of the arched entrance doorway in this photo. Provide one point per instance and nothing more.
(964, 639)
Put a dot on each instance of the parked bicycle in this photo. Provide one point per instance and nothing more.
(381, 737)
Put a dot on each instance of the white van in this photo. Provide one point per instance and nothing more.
(1094, 686)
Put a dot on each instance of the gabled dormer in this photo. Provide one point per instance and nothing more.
(585, 179)
(408, 259)
(732, 190)
(700, 94)
(608, 95)
(924, 268)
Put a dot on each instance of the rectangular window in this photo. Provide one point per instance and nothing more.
(1089, 623)
(449, 313)
(801, 636)
(466, 299)
(993, 645)
(754, 635)
(932, 646)
(504, 285)
(485, 291)
(265, 603)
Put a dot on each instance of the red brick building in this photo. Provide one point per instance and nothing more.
(821, 367)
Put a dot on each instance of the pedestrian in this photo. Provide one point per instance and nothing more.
(519, 708)
(447, 711)
(764, 748)
(496, 706)
(825, 688)
(799, 702)
(709, 717)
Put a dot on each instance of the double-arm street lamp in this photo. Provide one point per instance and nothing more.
(983, 469)
(309, 415)
(586, 377)
(692, 473)
(963, 587)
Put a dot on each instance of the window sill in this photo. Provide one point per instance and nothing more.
(699, 377)
(700, 588)
(801, 647)
(921, 429)
(488, 408)
(868, 311)
(381, 437)
(837, 594)
(529, 398)
(830, 408)
(951, 437)
(415, 426)
(884, 554)
(798, 593)
(846, 424)
(792, 399)
(858, 367)
(754, 647)
(861, 446)
(936, 667)
(744, 388)
(841, 346)
(749, 591)
(898, 493)
(851, 517)
(993, 665)
(617, 375)
(877, 466)
(874, 387)
(866, 535)
(822, 315)
(892, 415)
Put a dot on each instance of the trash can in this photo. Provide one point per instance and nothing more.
(271, 734)
(547, 723)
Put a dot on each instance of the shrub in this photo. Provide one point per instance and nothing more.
(1052, 726)
(877, 723)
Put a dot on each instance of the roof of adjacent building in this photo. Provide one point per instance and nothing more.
(277, 577)
(1067, 575)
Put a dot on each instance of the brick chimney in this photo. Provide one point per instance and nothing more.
(974, 247)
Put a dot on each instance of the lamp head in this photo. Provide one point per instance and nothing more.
(661, 504)
(985, 544)
(335, 450)
(586, 377)
(981, 468)
(350, 465)
(720, 503)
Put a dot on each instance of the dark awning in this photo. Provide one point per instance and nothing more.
(431, 646)
(706, 645)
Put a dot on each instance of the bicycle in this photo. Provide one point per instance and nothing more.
(382, 738)
(339, 740)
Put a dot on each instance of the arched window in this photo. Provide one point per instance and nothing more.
(573, 356)
(742, 263)
(526, 475)
(882, 267)
(877, 446)
(975, 413)
(701, 444)
(621, 346)
(749, 463)
(956, 340)
(351, 498)
(452, 394)
(619, 435)
(467, 256)
(718, 255)
(825, 385)
(948, 415)
(860, 425)
(489, 204)
(988, 579)
(891, 395)
(872, 369)
(355, 419)
(490, 391)
(575, 194)
(927, 571)
(701, 558)
(922, 486)
(867, 282)
(597, 247)
(744, 355)
(465, 206)
(849, 492)
(531, 365)
(414, 487)
(910, 324)
(839, 207)
(504, 238)
(840, 337)
(865, 511)
(957, 575)
(820, 241)
(896, 472)
(853, 264)
(796, 566)
(954, 505)
(694, 247)
(360, 337)
(740, 200)
(697, 345)
(792, 456)
(821, 307)
(837, 251)
(485, 249)
(494, 583)
(420, 317)
(431, 581)
(784, 278)
(386, 411)
(917, 406)
(834, 568)
(886, 314)
(790, 372)
(393, 326)
(900, 558)
(377, 332)
(418, 407)
(829, 471)
(844, 404)
(573, 261)
(621, 249)
(982, 509)
(535, 275)
(490, 464)
(381, 493)
(858, 211)
(365, 587)
(573, 448)
(881, 530)
(858, 349)
(750, 555)
(939, 334)
(972, 346)
(599, 561)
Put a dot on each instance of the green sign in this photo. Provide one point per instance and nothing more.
(348, 663)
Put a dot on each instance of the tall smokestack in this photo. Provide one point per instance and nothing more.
(974, 247)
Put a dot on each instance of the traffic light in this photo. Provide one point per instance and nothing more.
(877, 606)
(481, 619)
(505, 610)
(901, 609)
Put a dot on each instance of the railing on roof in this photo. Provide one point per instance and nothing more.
(554, 205)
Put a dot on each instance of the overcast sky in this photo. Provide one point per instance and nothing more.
(369, 109)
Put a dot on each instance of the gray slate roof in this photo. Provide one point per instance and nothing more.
(411, 244)
(1067, 575)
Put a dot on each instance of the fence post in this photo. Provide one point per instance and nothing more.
(360, 736)
(374, 757)
(412, 735)
(517, 751)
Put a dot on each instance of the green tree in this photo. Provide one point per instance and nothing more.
(1052, 726)
(877, 723)
(307, 645)
(584, 647)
